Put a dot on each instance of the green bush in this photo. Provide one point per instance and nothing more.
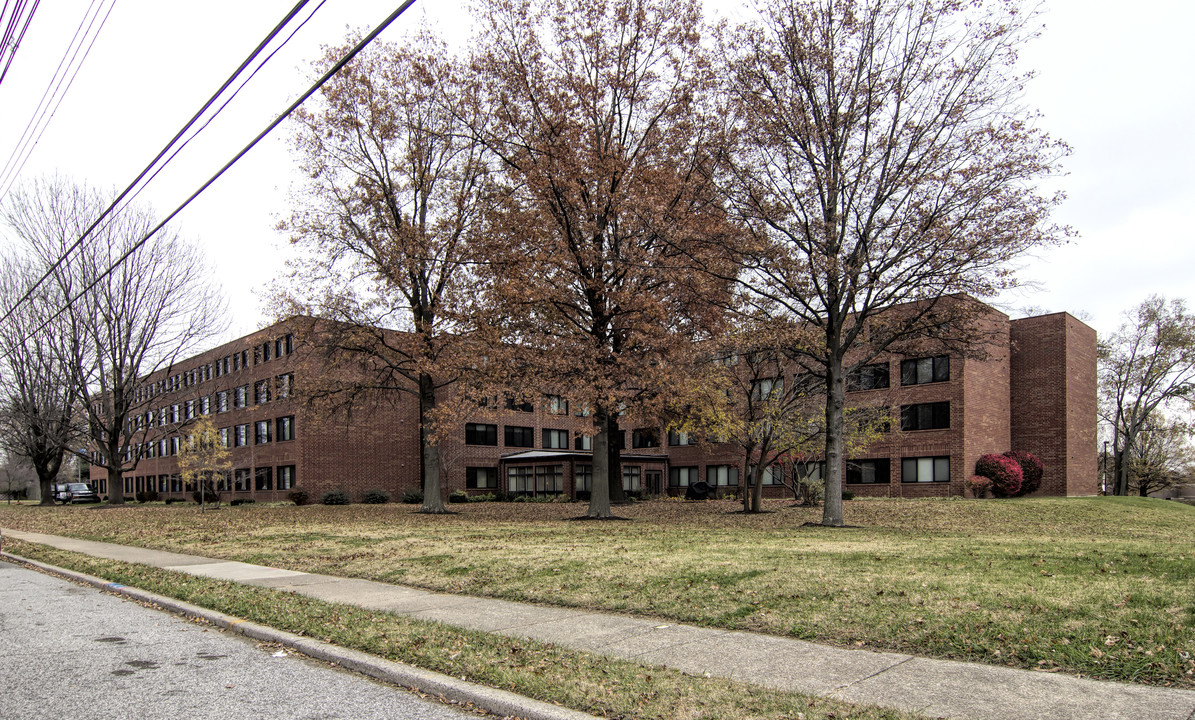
(335, 497)
(458, 496)
(147, 496)
(413, 497)
(172, 500)
(848, 495)
(375, 497)
(298, 497)
(241, 501)
(488, 497)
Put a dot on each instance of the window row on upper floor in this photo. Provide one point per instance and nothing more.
(235, 362)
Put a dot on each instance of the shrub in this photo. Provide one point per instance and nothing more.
(147, 496)
(413, 497)
(979, 485)
(1004, 472)
(335, 497)
(172, 500)
(848, 495)
(298, 497)
(375, 497)
(488, 497)
(1031, 470)
(458, 496)
(241, 501)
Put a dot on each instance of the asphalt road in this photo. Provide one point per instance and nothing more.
(72, 652)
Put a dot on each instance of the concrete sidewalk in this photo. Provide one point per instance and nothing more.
(937, 688)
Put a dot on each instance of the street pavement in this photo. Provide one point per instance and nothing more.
(68, 651)
(935, 688)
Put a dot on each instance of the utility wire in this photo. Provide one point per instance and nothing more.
(17, 44)
(74, 246)
(268, 129)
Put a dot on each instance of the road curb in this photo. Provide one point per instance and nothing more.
(497, 702)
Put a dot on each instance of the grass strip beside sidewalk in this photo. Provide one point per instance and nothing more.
(583, 681)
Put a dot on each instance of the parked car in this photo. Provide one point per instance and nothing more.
(66, 493)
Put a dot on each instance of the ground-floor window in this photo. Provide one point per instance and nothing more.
(481, 477)
(240, 478)
(682, 476)
(868, 472)
(263, 478)
(925, 469)
(584, 478)
(632, 479)
(176, 483)
(549, 479)
(286, 477)
(722, 475)
(520, 479)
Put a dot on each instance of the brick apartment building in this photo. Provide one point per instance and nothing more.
(1034, 389)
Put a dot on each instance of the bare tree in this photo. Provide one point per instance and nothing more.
(394, 186)
(38, 415)
(1146, 367)
(882, 161)
(135, 308)
(1161, 456)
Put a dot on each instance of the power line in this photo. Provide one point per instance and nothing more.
(356, 49)
(194, 118)
(8, 35)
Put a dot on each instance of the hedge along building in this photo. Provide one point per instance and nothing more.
(1031, 388)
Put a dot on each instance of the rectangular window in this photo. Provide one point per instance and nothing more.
(868, 377)
(240, 436)
(263, 478)
(261, 392)
(676, 437)
(518, 436)
(632, 478)
(240, 479)
(925, 469)
(925, 370)
(868, 472)
(557, 405)
(481, 478)
(286, 428)
(481, 434)
(809, 471)
(205, 405)
(925, 416)
(771, 475)
(583, 442)
(236, 362)
(289, 343)
(645, 438)
(223, 481)
(767, 389)
(225, 436)
(518, 406)
(286, 477)
(176, 483)
(584, 478)
(222, 401)
(189, 410)
(722, 475)
(555, 439)
(244, 359)
(520, 479)
(266, 347)
(284, 384)
(682, 476)
(175, 444)
(549, 479)
(261, 432)
(240, 396)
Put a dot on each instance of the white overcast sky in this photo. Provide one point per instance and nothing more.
(1116, 83)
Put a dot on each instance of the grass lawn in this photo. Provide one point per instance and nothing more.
(1103, 587)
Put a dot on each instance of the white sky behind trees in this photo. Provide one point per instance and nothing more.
(1115, 83)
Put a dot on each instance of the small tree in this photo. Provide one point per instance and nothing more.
(203, 457)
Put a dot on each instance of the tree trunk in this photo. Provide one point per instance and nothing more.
(757, 489)
(115, 474)
(46, 482)
(835, 400)
(433, 502)
(618, 495)
(599, 491)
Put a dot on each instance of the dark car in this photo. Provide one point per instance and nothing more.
(74, 493)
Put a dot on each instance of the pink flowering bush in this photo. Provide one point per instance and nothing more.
(1004, 472)
(1032, 469)
(979, 485)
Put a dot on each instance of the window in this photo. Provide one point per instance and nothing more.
(205, 405)
(236, 362)
(722, 475)
(481, 477)
(261, 392)
(549, 479)
(263, 478)
(176, 483)
(481, 434)
(279, 347)
(284, 384)
(519, 406)
(555, 439)
(645, 438)
(175, 413)
(868, 377)
(189, 410)
(925, 416)
(225, 437)
(584, 478)
(557, 405)
(240, 436)
(682, 476)
(266, 347)
(925, 469)
(809, 471)
(517, 436)
(767, 389)
(925, 370)
(632, 479)
(868, 472)
(519, 479)
(286, 477)
(583, 442)
(286, 428)
(240, 480)
(175, 444)
(244, 359)
(676, 437)
(222, 401)
(771, 475)
(261, 432)
(223, 481)
(240, 396)
(219, 368)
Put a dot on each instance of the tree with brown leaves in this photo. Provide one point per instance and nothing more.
(595, 115)
(394, 186)
(883, 161)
